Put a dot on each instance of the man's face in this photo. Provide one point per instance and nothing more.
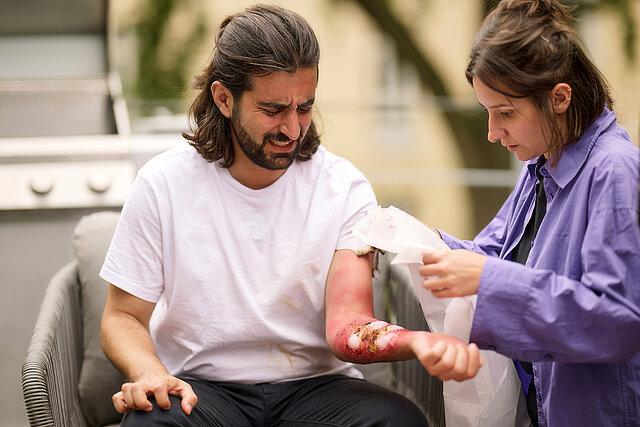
(270, 121)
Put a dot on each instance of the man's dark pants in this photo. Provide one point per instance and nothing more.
(333, 400)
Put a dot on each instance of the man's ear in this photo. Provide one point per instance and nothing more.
(222, 98)
(560, 97)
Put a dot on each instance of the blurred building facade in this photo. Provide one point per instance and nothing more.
(372, 108)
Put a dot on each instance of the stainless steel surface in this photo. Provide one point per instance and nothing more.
(56, 84)
(52, 56)
(64, 153)
(52, 17)
(67, 185)
(55, 107)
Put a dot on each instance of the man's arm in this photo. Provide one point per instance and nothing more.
(128, 345)
(356, 336)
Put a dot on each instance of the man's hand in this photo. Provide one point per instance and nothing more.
(128, 345)
(452, 273)
(445, 356)
(134, 396)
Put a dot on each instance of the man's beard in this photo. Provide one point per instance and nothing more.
(256, 152)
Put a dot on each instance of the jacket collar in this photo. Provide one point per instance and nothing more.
(574, 156)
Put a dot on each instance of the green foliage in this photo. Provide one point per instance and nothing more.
(623, 9)
(160, 79)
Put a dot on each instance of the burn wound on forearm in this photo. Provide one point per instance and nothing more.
(372, 336)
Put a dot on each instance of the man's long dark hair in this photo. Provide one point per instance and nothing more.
(261, 40)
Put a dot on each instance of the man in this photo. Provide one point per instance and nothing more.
(216, 308)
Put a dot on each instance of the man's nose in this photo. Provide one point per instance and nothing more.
(290, 124)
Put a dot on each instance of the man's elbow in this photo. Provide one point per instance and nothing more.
(105, 330)
(332, 340)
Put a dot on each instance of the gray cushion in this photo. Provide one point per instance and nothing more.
(99, 380)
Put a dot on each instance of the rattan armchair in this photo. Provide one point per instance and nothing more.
(52, 367)
(66, 379)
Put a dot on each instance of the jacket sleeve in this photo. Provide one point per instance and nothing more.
(588, 316)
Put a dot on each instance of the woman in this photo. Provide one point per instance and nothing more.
(557, 271)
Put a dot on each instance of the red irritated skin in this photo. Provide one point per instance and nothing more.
(356, 336)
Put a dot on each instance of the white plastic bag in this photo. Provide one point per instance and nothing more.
(493, 396)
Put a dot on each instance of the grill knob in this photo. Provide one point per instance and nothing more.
(41, 184)
(99, 182)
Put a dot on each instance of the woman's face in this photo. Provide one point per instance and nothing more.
(514, 122)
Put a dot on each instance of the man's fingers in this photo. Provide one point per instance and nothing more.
(475, 360)
(461, 365)
(189, 398)
(135, 397)
(140, 399)
(127, 396)
(467, 364)
(453, 362)
(442, 368)
(430, 357)
(449, 358)
(162, 397)
(119, 403)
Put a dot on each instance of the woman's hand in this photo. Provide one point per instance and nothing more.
(453, 273)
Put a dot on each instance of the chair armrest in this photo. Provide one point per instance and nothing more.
(52, 365)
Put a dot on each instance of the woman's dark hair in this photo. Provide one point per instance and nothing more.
(261, 40)
(523, 49)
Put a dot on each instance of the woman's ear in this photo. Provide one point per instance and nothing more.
(560, 97)
(222, 98)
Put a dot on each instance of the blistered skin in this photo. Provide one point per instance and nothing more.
(369, 341)
(372, 336)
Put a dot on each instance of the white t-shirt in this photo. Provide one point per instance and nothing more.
(237, 275)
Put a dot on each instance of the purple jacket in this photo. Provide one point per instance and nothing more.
(574, 309)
